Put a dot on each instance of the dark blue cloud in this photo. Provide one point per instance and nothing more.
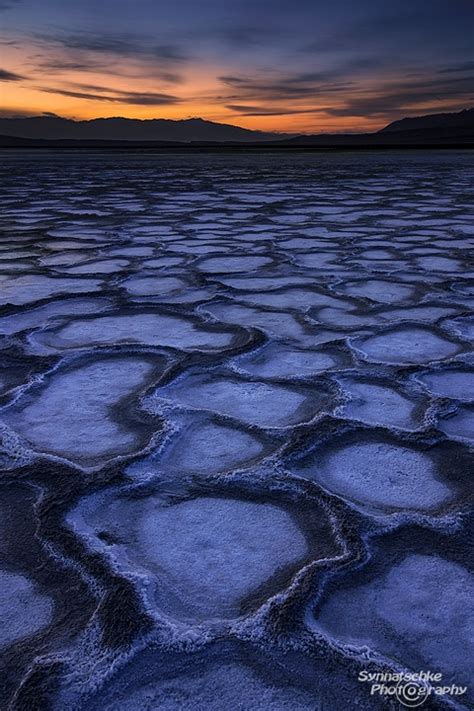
(274, 55)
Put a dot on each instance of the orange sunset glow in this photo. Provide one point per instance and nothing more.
(225, 66)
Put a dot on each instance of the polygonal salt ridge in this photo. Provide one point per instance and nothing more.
(382, 401)
(99, 265)
(412, 592)
(407, 345)
(379, 471)
(223, 552)
(298, 299)
(458, 424)
(146, 284)
(284, 362)
(156, 326)
(261, 283)
(248, 400)
(454, 381)
(462, 327)
(86, 409)
(225, 264)
(29, 288)
(14, 320)
(202, 445)
(384, 291)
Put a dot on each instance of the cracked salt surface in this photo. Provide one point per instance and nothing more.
(385, 292)
(217, 265)
(232, 681)
(316, 315)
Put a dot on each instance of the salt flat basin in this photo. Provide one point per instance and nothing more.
(28, 288)
(146, 328)
(377, 475)
(377, 403)
(201, 445)
(71, 414)
(205, 557)
(407, 344)
(256, 403)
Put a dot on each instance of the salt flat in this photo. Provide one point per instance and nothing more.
(236, 414)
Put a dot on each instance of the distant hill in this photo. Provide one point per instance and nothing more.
(123, 129)
(436, 130)
(464, 120)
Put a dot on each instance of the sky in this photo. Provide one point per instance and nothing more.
(295, 65)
